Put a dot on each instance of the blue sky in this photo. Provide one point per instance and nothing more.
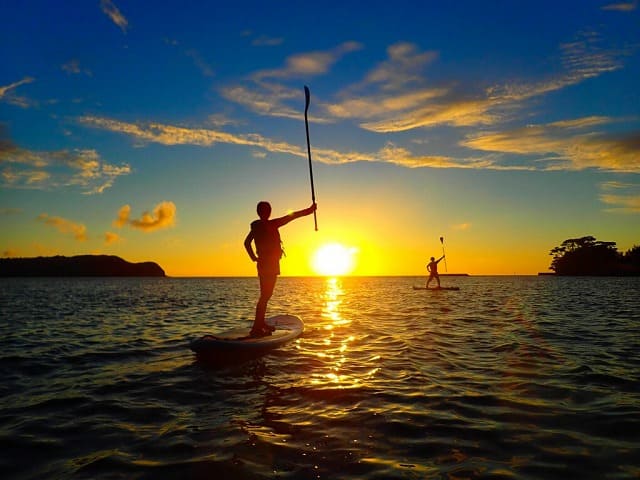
(151, 131)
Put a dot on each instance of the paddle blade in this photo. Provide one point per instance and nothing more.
(441, 239)
(307, 98)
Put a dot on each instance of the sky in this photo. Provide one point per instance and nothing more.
(489, 131)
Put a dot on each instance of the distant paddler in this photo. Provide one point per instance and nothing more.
(432, 268)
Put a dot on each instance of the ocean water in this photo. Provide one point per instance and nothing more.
(509, 377)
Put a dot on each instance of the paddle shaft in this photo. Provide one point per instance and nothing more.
(307, 98)
(443, 254)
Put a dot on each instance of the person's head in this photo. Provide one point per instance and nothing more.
(264, 210)
(433, 259)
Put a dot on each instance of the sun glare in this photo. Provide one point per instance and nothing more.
(334, 259)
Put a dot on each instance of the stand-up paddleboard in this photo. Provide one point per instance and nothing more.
(436, 289)
(238, 344)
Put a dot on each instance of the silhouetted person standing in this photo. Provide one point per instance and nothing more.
(264, 233)
(432, 268)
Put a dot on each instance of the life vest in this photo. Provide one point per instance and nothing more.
(267, 239)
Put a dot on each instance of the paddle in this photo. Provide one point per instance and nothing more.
(307, 98)
(445, 258)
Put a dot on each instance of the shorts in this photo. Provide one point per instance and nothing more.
(268, 266)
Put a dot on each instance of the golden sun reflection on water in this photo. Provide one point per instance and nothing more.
(331, 308)
(335, 350)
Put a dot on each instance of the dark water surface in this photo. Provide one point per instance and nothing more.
(510, 377)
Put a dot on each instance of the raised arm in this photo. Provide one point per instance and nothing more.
(293, 215)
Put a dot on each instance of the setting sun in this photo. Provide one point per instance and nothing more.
(334, 259)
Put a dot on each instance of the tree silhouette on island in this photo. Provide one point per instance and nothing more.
(588, 256)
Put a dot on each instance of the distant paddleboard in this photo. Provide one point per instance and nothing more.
(237, 344)
(436, 289)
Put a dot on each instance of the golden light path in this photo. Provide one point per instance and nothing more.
(342, 367)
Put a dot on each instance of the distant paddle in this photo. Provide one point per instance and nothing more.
(307, 99)
(445, 258)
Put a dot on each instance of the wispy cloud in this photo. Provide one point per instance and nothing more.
(265, 41)
(376, 106)
(63, 225)
(558, 146)
(262, 40)
(73, 67)
(621, 197)
(404, 66)
(200, 62)
(308, 64)
(396, 155)
(618, 155)
(461, 226)
(584, 58)
(7, 93)
(621, 6)
(584, 122)
(111, 238)
(396, 95)
(196, 57)
(266, 92)
(562, 145)
(221, 120)
(457, 112)
(82, 168)
(268, 99)
(5, 89)
(111, 11)
(163, 216)
(176, 135)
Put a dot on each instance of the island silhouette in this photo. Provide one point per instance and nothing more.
(78, 266)
(589, 256)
